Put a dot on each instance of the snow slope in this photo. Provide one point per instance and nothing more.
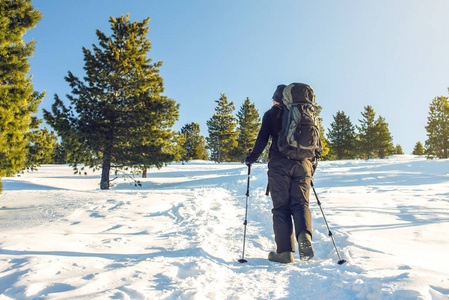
(180, 235)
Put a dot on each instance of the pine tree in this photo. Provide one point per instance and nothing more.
(437, 127)
(428, 151)
(367, 132)
(342, 136)
(324, 141)
(18, 99)
(248, 120)
(265, 156)
(222, 131)
(59, 154)
(40, 147)
(398, 150)
(117, 116)
(419, 149)
(194, 142)
(177, 146)
(383, 142)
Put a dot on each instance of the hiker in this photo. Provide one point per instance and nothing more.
(288, 182)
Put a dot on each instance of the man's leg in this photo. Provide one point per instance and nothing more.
(279, 183)
(299, 197)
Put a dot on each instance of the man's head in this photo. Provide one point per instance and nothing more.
(277, 96)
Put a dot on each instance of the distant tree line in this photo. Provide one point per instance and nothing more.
(118, 118)
(370, 139)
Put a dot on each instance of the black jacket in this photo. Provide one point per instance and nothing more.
(271, 126)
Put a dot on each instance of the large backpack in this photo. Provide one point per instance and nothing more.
(299, 137)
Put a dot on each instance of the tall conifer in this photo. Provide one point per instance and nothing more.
(195, 143)
(248, 120)
(383, 142)
(374, 137)
(419, 149)
(437, 128)
(18, 100)
(342, 136)
(398, 150)
(221, 126)
(40, 147)
(367, 132)
(118, 115)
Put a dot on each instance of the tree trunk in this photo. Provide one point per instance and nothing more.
(144, 173)
(104, 184)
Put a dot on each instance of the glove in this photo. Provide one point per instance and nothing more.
(248, 161)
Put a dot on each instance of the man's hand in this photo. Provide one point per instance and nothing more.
(247, 161)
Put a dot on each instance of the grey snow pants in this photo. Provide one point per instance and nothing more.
(289, 184)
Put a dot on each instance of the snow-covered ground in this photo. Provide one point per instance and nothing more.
(180, 235)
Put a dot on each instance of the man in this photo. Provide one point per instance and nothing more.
(289, 183)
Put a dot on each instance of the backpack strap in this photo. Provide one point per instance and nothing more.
(280, 111)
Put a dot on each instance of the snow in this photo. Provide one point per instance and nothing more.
(180, 235)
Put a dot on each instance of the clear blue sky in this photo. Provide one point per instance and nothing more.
(392, 55)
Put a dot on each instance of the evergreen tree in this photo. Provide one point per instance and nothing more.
(176, 147)
(419, 149)
(383, 142)
(221, 126)
(428, 151)
(398, 150)
(59, 154)
(40, 147)
(342, 136)
(205, 150)
(117, 116)
(18, 99)
(248, 125)
(367, 132)
(324, 141)
(194, 142)
(265, 156)
(437, 128)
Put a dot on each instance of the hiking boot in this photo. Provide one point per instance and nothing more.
(283, 257)
(305, 246)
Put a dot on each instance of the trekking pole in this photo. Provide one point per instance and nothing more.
(341, 261)
(243, 260)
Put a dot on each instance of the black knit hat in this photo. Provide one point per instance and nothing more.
(277, 96)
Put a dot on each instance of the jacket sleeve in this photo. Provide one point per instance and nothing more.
(262, 139)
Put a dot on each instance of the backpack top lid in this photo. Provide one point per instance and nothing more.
(298, 93)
